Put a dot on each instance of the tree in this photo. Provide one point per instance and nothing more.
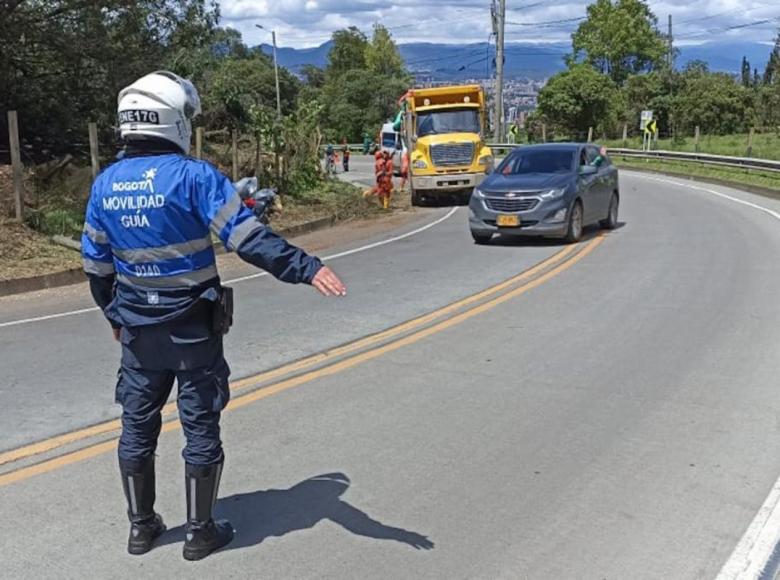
(716, 102)
(363, 82)
(382, 54)
(360, 101)
(314, 76)
(579, 98)
(646, 92)
(620, 39)
(746, 79)
(772, 71)
(348, 51)
(236, 85)
(64, 62)
(696, 68)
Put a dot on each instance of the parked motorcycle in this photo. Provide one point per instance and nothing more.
(263, 202)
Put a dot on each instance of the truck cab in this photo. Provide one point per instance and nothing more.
(443, 130)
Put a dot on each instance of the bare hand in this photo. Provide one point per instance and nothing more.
(328, 284)
(116, 333)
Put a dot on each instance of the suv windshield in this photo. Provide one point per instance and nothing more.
(450, 121)
(525, 162)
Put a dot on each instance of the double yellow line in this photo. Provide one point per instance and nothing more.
(404, 335)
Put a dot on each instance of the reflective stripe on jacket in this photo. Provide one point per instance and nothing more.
(148, 227)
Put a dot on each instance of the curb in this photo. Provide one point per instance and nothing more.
(76, 276)
(65, 278)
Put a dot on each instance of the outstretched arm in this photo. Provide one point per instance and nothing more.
(240, 231)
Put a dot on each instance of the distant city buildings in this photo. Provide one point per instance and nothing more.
(520, 94)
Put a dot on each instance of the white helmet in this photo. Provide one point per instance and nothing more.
(161, 104)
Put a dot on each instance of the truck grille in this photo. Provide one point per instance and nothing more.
(451, 154)
(511, 204)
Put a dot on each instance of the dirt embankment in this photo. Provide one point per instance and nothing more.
(27, 252)
(23, 251)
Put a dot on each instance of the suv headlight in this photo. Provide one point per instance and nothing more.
(553, 194)
(420, 164)
(478, 193)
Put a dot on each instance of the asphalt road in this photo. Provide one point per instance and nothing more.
(613, 414)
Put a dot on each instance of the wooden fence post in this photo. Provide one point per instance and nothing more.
(750, 143)
(590, 134)
(199, 142)
(258, 156)
(93, 149)
(625, 135)
(16, 164)
(696, 138)
(235, 155)
(544, 133)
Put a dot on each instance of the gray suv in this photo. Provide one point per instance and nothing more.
(551, 190)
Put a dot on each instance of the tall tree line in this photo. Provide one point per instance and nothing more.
(620, 66)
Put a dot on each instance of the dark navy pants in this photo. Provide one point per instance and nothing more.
(152, 357)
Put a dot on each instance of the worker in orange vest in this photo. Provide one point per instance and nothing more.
(404, 169)
(383, 171)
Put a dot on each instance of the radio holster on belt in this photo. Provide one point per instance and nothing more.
(222, 318)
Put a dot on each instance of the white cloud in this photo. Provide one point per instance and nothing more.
(306, 23)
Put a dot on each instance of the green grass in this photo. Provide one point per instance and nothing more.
(762, 182)
(765, 145)
(329, 198)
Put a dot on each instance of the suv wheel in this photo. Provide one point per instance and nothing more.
(610, 222)
(574, 231)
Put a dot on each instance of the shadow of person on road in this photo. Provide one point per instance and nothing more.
(276, 512)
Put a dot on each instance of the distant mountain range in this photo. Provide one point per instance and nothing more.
(526, 60)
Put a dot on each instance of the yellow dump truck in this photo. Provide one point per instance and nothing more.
(443, 130)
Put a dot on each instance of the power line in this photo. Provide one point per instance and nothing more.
(470, 54)
(549, 22)
(729, 28)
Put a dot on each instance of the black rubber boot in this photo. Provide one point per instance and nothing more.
(203, 535)
(146, 526)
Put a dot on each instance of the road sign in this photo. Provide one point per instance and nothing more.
(645, 119)
(652, 127)
(649, 127)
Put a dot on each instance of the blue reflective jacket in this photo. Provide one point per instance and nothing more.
(147, 238)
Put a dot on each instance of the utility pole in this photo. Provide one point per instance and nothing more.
(499, 16)
(671, 78)
(276, 71)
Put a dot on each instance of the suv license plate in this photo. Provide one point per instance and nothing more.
(508, 221)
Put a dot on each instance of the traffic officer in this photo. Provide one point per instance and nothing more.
(148, 254)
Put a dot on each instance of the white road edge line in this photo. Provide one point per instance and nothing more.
(358, 250)
(761, 208)
(755, 549)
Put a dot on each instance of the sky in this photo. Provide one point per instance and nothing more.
(309, 23)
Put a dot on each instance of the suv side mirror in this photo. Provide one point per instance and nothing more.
(586, 170)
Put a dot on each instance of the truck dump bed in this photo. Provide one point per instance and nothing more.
(437, 96)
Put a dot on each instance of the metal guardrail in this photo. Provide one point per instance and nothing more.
(704, 158)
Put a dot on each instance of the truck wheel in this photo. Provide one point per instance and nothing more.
(416, 198)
